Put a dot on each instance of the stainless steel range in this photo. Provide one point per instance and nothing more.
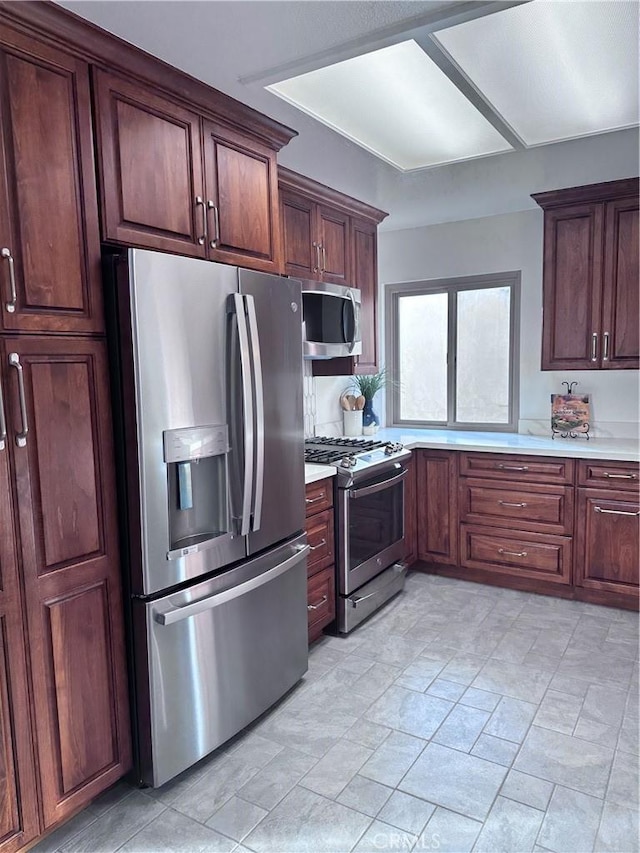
(369, 499)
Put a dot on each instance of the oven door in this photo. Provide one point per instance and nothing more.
(370, 527)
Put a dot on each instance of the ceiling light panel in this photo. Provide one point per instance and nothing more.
(396, 103)
(553, 70)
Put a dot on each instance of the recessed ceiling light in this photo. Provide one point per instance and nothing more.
(398, 104)
(553, 70)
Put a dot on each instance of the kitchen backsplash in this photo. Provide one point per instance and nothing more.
(323, 416)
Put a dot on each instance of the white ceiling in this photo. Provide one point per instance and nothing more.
(238, 46)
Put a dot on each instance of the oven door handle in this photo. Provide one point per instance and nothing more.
(378, 487)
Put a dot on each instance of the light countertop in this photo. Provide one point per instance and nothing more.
(313, 473)
(624, 449)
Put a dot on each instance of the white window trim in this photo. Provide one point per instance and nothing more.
(451, 286)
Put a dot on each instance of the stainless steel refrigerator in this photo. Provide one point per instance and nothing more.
(207, 377)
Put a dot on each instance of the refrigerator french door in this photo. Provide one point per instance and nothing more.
(207, 366)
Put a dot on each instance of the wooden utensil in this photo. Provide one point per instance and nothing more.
(344, 403)
(360, 401)
(351, 400)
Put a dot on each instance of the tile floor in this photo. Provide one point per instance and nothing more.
(461, 717)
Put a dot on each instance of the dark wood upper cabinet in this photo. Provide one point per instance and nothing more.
(298, 214)
(65, 494)
(590, 277)
(334, 245)
(329, 236)
(621, 307)
(170, 179)
(49, 240)
(150, 168)
(365, 277)
(242, 199)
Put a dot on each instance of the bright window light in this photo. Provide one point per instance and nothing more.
(398, 104)
(553, 70)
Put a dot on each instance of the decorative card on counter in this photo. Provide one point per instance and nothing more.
(570, 415)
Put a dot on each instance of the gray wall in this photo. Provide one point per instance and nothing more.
(496, 244)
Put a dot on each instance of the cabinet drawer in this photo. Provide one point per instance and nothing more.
(546, 509)
(522, 469)
(321, 604)
(319, 496)
(532, 555)
(320, 540)
(609, 475)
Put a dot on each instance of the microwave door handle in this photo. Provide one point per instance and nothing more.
(247, 409)
(258, 392)
(356, 321)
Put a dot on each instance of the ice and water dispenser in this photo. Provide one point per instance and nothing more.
(197, 471)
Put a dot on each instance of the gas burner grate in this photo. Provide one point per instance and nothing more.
(357, 444)
(324, 456)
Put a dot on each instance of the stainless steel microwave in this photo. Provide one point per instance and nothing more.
(330, 320)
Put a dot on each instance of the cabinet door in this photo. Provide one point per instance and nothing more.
(335, 246)
(151, 183)
(50, 264)
(410, 512)
(243, 223)
(299, 229)
(365, 278)
(66, 506)
(572, 287)
(607, 542)
(18, 798)
(621, 347)
(437, 506)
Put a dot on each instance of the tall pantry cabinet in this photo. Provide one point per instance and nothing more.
(63, 703)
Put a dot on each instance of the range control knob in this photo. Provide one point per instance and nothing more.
(393, 447)
(347, 461)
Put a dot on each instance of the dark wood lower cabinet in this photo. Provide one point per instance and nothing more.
(575, 535)
(437, 515)
(321, 570)
(18, 802)
(410, 512)
(607, 542)
(56, 397)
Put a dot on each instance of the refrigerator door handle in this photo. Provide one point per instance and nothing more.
(259, 413)
(177, 614)
(248, 419)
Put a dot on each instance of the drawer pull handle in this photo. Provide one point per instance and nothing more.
(319, 545)
(315, 500)
(615, 511)
(322, 601)
(619, 476)
(512, 553)
(504, 467)
(508, 503)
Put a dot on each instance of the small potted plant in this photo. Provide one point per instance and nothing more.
(368, 387)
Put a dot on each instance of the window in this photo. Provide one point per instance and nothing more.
(453, 352)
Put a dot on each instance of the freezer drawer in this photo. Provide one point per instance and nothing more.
(220, 654)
